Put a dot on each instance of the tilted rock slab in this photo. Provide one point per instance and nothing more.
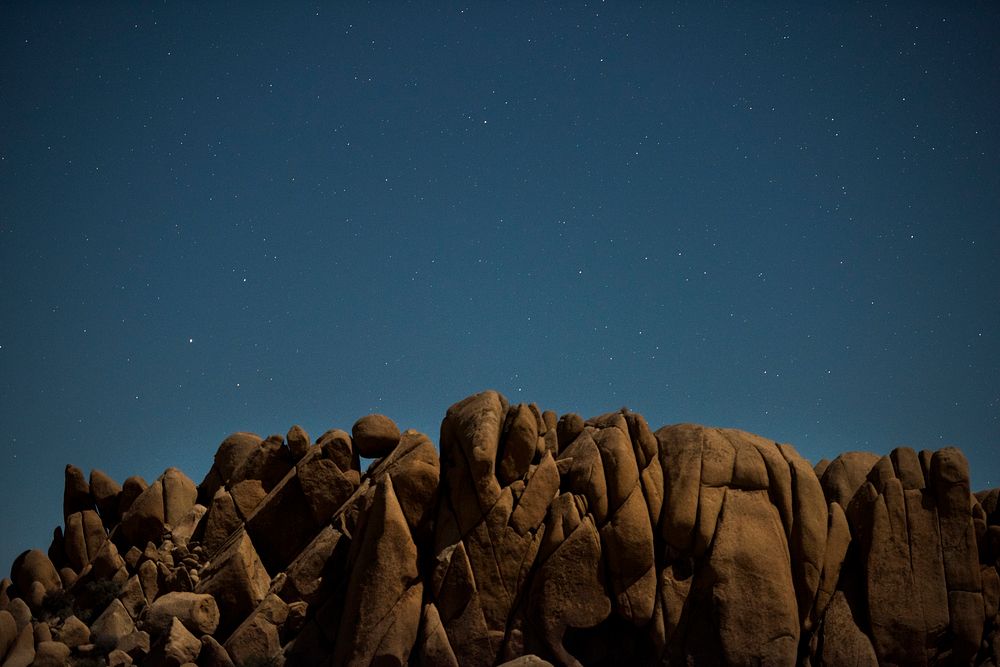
(527, 538)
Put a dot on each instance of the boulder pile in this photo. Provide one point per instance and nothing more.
(526, 538)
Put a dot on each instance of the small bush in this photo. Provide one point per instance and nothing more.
(57, 604)
(261, 661)
(89, 661)
(95, 598)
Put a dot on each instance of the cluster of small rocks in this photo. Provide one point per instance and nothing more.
(530, 539)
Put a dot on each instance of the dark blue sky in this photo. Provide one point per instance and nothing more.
(223, 218)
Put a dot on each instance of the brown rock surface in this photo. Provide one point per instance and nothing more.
(177, 648)
(51, 654)
(237, 580)
(750, 564)
(8, 632)
(257, 638)
(107, 496)
(74, 632)
(21, 652)
(841, 641)
(111, 626)
(383, 600)
(530, 539)
(374, 436)
(298, 442)
(31, 566)
(76, 492)
(197, 611)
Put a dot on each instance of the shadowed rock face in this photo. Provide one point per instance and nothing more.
(524, 538)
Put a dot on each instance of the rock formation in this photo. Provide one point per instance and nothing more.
(525, 539)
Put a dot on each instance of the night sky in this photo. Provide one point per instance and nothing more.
(221, 218)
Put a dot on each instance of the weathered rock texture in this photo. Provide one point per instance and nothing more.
(526, 538)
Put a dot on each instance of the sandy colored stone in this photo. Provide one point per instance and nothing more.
(519, 442)
(237, 580)
(568, 589)
(680, 456)
(927, 565)
(845, 475)
(540, 490)
(233, 452)
(268, 463)
(383, 598)
(581, 470)
(752, 571)
(309, 574)
(807, 538)
(145, 518)
(433, 646)
(119, 658)
(837, 542)
(74, 632)
(149, 579)
(337, 446)
(22, 650)
(526, 661)
(257, 638)
(76, 492)
(459, 607)
(324, 486)
(374, 436)
(19, 609)
(298, 442)
(906, 464)
(416, 474)
(132, 488)
(31, 566)
(179, 495)
(177, 647)
(113, 624)
(282, 524)
(749, 470)
(470, 438)
(135, 644)
(229, 456)
(247, 495)
(197, 611)
(42, 632)
(8, 632)
(51, 654)
(132, 596)
(75, 542)
(221, 521)
(896, 622)
(842, 641)
(213, 654)
(106, 493)
(568, 428)
(184, 530)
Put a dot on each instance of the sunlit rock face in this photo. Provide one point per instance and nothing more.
(523, 537)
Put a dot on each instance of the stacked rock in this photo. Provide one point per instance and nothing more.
(527, 539)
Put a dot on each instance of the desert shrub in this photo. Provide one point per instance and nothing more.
(88, 661)
(261, 661)
(95, 598)
(57, 604)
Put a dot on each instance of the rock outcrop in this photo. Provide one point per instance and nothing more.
(526, 539)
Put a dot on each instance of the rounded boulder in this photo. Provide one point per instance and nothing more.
(32, 566)
(375, 436)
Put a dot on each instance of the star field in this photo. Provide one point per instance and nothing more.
(222, 218)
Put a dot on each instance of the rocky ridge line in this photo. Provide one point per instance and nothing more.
(530, 539)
